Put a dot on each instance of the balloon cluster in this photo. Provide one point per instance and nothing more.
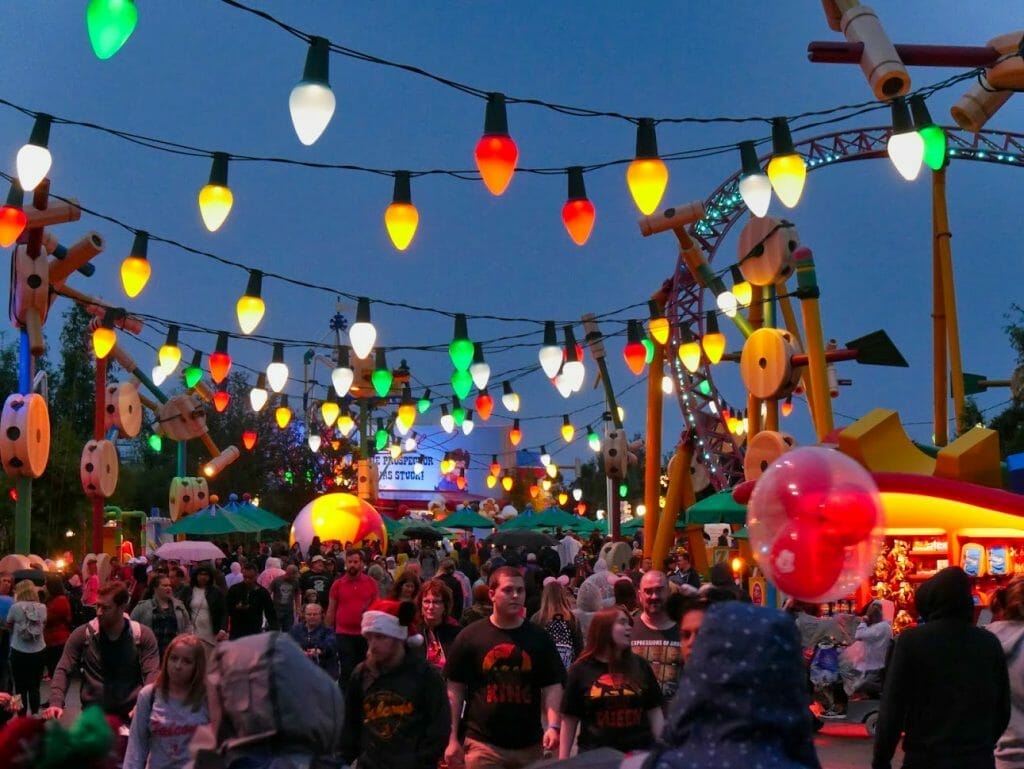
(815, 524)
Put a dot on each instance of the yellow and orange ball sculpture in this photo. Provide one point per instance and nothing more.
(338, 517)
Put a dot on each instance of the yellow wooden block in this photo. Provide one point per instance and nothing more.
(973, 457)
(879, 442)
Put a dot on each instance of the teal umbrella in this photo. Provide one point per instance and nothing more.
(394, 528)
(554, 518)
(718, 508)
(632, 526)
(466, 519)
(519, 523)
(246, 509)
(212, 520)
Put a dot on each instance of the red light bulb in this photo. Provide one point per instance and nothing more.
(12, 217)
(221, 399)
(249, 439)
(578, 213)
(484, 405)
(220, 361)
(635, 353)
(496, 154)
(515, 434)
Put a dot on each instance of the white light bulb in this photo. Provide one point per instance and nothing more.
(417, 467)
(756, 191)
(362, 335)
(277, 376)
(510, 401)
(563, 385)
(402, 428)
(667, 385)
(545, 459)
(577, 494)
(447, 423)
(481, 373)
(906, 151)
(342, 378)
(467, 426)
(258, 398)
(314, 442)
(410, 443)
(159, 375)
(312, 107)
(550, 358)
(727, 303)
(33, 164)
(576, 373)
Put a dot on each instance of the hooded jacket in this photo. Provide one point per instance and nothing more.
(1010, 748)
(947, 687)
(742, 698)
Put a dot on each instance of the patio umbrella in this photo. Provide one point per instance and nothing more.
(519, 523)
(554, 518)
(531, 540)
(394, 528)
(189, 551)
(421, 531)
(718, 508)
(245, 508)
(632, 526)
(214, 519)
(465, 519)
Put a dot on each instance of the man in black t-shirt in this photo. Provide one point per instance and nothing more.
(317, 579)
(508, 673)
(656, 635)
(248, 605)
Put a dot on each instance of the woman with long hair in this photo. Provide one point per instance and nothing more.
(1010, 632)
(611, 696)
(26, 622)
(205, 604)
(436, 623)
(406, 587)
(168, 712)
(58, 621)
(557, 617)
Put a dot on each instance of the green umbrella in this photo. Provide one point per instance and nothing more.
(394, 528)
(466, 519)
(741, 534)
(554, 518)
(519, 523)
(632, 526)
(264, 518)
(214, 519)
(718, 508)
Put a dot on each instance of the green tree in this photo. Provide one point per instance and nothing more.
(75, 378)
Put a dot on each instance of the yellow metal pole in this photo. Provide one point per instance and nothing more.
(940, 362)
(680, 496)
(755, 316)
(786, 306)
(942, 237)
(807, 284)
(652, 466)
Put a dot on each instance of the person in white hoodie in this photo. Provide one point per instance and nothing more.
(1010, 632)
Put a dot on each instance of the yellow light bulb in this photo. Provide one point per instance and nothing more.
(135, 272)
(551, 470)
(215, 203)
(491, 481)
(647, 179)
(787, 174)
(659, 328)
(401, 219)
(506, 483)
(169, 357)
(329, 410)
(283, 415)
(568, 431)
(103, 341)
(407, 415)
(714, 346)
(346, 424)
(689, 355)
(743, 292)
(250, 310)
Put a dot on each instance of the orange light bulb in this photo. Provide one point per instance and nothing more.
(103, 341)
(12, 216)
(249, 439)
(578, 213)
(515, 435)
(401, 217)
(484, 405)
(221, 399)
(647, 175)
(496, 154)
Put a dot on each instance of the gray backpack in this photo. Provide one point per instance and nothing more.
(264, 694)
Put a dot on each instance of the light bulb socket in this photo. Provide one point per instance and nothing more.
(570, 345)
(506, 388)
(255, 285)
(515, 424)
(16, 195)
(577, 187)
(456, 403)
(461, 327)
(565, 420)
(278, 355)
(749, 163)
(342, 355)
(283, 403)
(478, 352)
(172, 335)
(197, 359)
(550, 334)
(140, 245)
(381, 361)
(261, 381)
(363, 310)
(496, 117)
(444, 410)
(110, 315)
(687, 334)
(736, 275)
(403, 188)
(40, 135)
(782, 139)
(632, 332)
(654, 309)
(919, 110)
(426, 394)
(222, 342)
(318, 60)
(711, 323)
(646, 139)
(219, 169)
(901, 122)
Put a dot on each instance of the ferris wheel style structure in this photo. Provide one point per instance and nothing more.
(716, 447)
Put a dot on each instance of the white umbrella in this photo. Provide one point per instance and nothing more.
(189, 551)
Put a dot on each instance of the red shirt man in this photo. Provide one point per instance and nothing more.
(351, 595)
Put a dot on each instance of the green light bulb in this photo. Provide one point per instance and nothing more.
(458, 415)
(289, 476)
(594, 441)
(156, 442)
(382, 379)
(381, 439)
(110, 24)
(462, 382)
(423, 405)
(623, 490)
(934, 146)
(704, 387)
(192, 376)
(649, 349)
(461, 352)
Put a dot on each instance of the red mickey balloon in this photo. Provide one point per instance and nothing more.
(849, 513)
(802, 563)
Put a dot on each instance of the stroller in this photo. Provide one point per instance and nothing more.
(840, 693)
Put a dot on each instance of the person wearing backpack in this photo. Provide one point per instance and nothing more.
(117, 657)
(26, 621)
(558, 620)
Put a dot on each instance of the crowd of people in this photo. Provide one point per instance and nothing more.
(478, 658)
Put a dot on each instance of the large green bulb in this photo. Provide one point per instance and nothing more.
(156, 442)
(934, 146)
(648, 350)
(110, 23)
(461, 352)
(423, 405)
(192, 376)
(382, 379)
(462, 382)
(381, 439)
(623, 490)
(458, 415)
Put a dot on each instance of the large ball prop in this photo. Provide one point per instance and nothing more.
(341, 517)
(815, 523)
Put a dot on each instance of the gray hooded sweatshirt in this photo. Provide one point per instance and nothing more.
(1010, 748)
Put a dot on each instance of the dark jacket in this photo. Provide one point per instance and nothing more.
(247, 608)
(215, 602)
(742, 698)
(947, 687)
(399, 719)
(321, 639)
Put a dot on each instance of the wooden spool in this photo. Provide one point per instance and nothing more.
(99, 469)
(182, 418)
(201, 494)
(174, 498)
(762, 452)
(31, 283)
(186, 496)
(772, 259)
(765, 364)
(25, 435)
(123, 409)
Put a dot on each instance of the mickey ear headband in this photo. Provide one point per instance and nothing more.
(562, 580)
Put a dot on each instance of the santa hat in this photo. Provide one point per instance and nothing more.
(390, 618)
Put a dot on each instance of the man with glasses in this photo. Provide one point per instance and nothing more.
(656, 635)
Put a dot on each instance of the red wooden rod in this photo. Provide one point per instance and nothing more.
(839, 52)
